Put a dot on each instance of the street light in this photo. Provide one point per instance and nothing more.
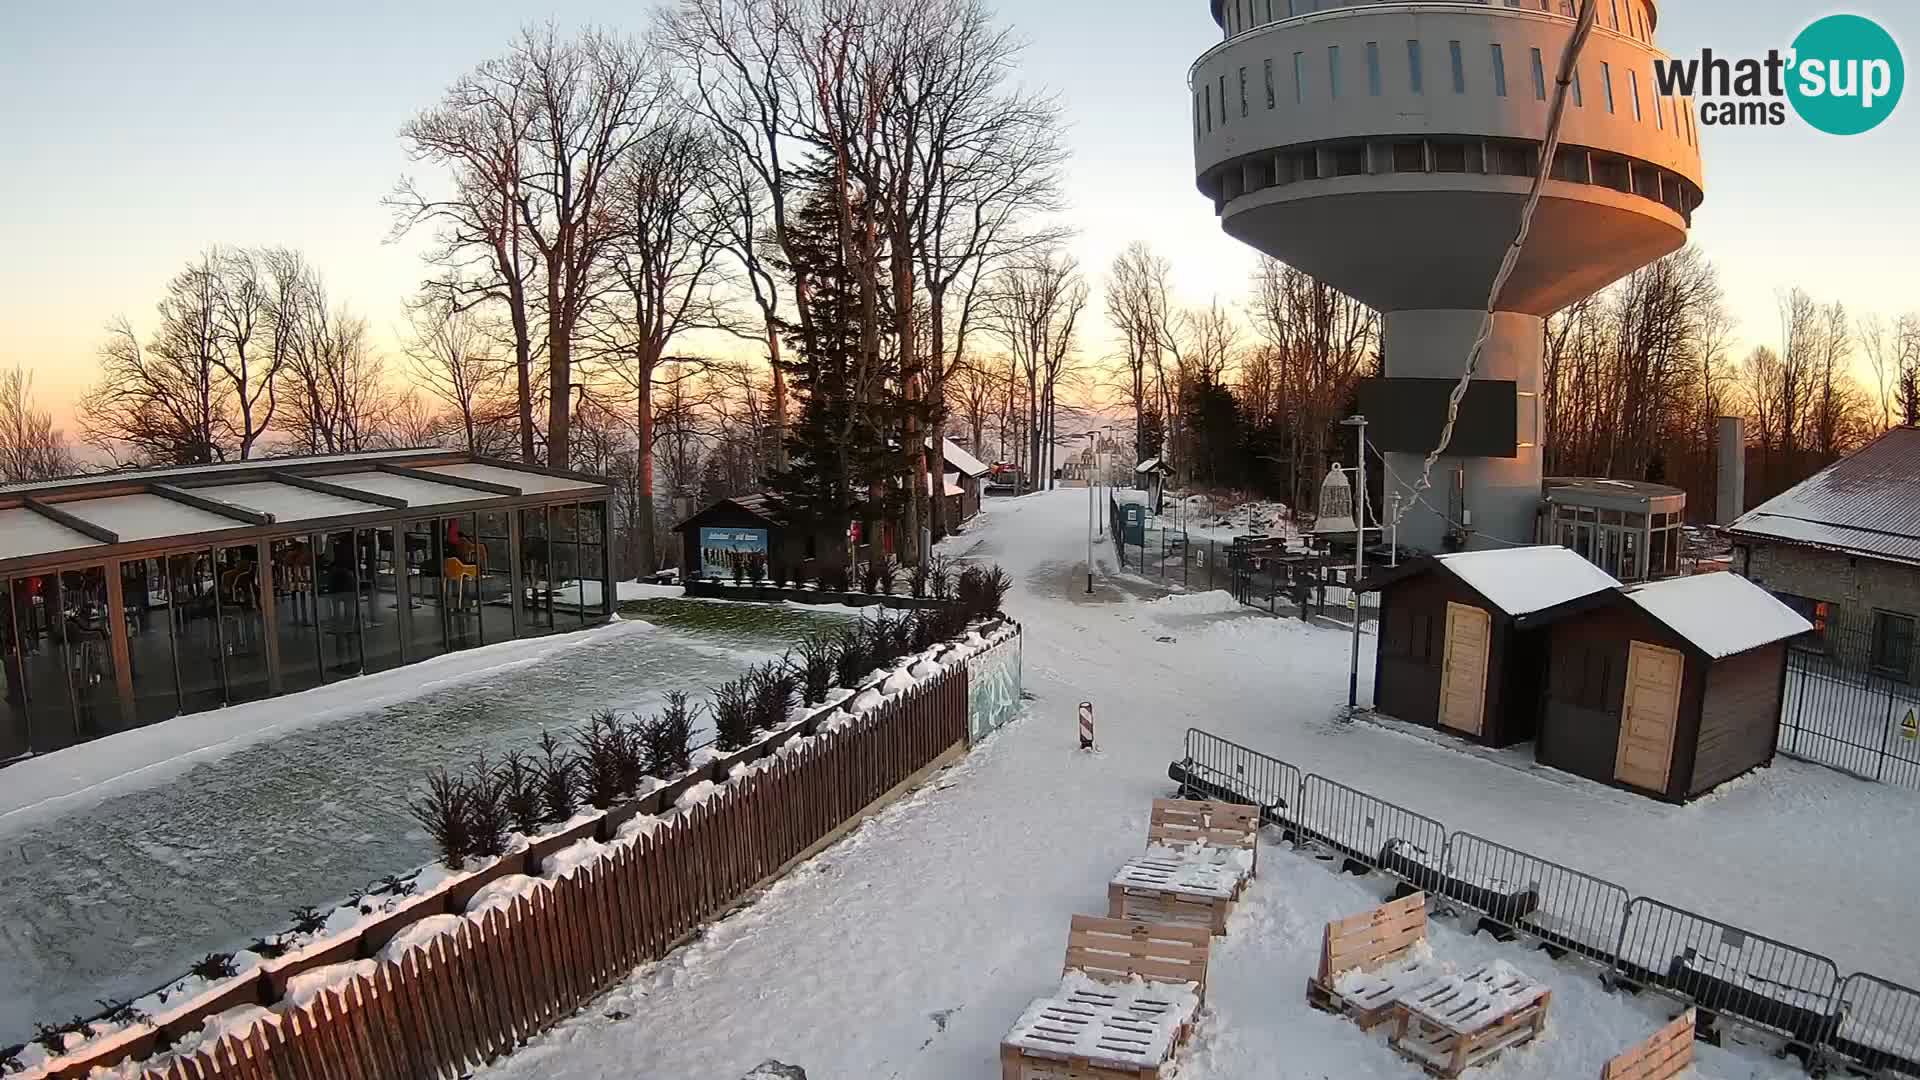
(1093, 456)
(1359, 425)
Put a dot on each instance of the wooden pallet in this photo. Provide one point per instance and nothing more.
(1664, 1055)
(1091, 1031)
(1457, 1023)
(1175, 892)
(1377, 942)
(1179, 822)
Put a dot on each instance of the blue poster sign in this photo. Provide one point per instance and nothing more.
(723, 549)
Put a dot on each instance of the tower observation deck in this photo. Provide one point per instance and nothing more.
(1387, 149)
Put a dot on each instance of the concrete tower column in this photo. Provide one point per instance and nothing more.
(1494, 498)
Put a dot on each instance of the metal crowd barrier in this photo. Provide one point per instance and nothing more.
(1556, 904)
(1731, 974)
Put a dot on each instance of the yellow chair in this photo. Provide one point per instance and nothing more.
(460, 573)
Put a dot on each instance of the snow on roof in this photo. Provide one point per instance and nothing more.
(1867, 503)
(146, 517)
(1148, 465)
(528, 481)
(24, 532)
(962, 460)
(416, 492)
(1528, 579)
(287, 503)
(1721, 613)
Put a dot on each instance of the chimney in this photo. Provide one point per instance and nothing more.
(1732, 485)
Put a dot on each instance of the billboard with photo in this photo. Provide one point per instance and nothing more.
(722, 549)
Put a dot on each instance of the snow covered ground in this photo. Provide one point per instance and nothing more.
(124, 859)
(908, 949)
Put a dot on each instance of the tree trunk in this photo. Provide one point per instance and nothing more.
(779, 397)
(646, 555)
(937, 394)
(560, 376)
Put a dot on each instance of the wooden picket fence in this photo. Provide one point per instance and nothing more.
(471, 995)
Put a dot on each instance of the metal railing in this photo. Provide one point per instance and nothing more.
(1729, 971)
(1733, 975)
(1556, 904)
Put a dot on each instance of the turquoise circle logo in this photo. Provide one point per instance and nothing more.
(1847, 74)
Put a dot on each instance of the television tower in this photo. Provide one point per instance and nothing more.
(1388, 148)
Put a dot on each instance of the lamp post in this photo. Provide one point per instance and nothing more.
(1359, 425)
(1093, 457)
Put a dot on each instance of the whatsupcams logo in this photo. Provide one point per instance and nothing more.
(1843, 76)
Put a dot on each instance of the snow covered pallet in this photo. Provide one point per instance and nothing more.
(1169, 889)
(1128, 994)
(1456, 1022)
(1663, 1056)
(1368, 960)
(1206, 829)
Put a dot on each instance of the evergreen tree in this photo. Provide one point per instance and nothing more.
(846, 460)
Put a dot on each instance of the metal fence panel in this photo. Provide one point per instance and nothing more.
(1373, 831)
(1842, 715)
(1879, 1025)
(1557, 904)
(1217, 768)
(1729, 971)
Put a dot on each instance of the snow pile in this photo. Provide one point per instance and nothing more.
(865, 701)
(304, 988)
(1721, 613)
(235, 1021)
(925, 669)
(1212, 602)
(638, 826)
(896, 683)
(501, 893)
(563, 863)
(1528, 579)
(424, 932)
(698, 794)
(1236, 860)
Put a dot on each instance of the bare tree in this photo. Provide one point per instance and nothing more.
(452, 357)
(31, 448)
(1137, 301)
(330, 381)
(159, 404)
(1037, 307)
(665, 262)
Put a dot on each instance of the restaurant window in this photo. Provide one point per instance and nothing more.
(337, 612)
(1893, 644)
(39, 690)
(563, 546)
(460, 581)
(426, 608)
(156, 676)
(536, 573)
(16, 734)
(296, 613)
(243, 637)
(1606, 83)
(495, 553)
(597, 597)
(377, 578)
(193, 606)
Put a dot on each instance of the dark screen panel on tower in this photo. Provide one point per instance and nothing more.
(1405, 416)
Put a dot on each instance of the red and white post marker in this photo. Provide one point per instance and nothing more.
(1086, 725)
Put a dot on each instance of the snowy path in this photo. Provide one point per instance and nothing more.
(162, 853)
(908, 949)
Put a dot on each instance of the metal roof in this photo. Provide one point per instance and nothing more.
(176, 473)
(287, 503)
(532, 483)
(24, 532)
(395, 486)
(1866, 504)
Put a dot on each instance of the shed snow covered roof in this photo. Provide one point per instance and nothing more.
(1867, 504)
(1721, 614)
(1152, 464)
(961, 460)
(1520, 581)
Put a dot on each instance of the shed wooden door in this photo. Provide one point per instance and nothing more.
(1648, 713)
(1463, 668)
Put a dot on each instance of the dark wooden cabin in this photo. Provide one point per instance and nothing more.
(748, 525)
(1669, 689)
(1461, 645)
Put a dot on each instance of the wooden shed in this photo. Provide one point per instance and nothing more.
(1669, 688)
(1461, 644)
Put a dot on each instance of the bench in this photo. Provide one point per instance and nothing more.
(1662, 1056)
(1128, 995)
(1453, 1023)
(1178, 892)
(1220, 832)
(1368, 960)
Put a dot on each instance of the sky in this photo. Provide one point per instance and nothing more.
(137, 134)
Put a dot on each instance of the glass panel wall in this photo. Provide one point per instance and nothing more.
(88, 637)
(193, 607)
(564, 548)
(15, 732)
(495, 589)
(536, 570)
(378, 572)
(296, 613)
(426, 614)
(593, 560)
(460, 581)
(337, 615)
(242, 632)
(156, 678)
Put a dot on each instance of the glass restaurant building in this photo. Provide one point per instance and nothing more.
(128, 598)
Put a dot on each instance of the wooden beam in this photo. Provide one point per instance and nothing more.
(450, 480)
(210, 504)
(78, 524)
(309, 483)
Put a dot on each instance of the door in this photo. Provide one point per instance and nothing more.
(1648, 713)
(1463, 669)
